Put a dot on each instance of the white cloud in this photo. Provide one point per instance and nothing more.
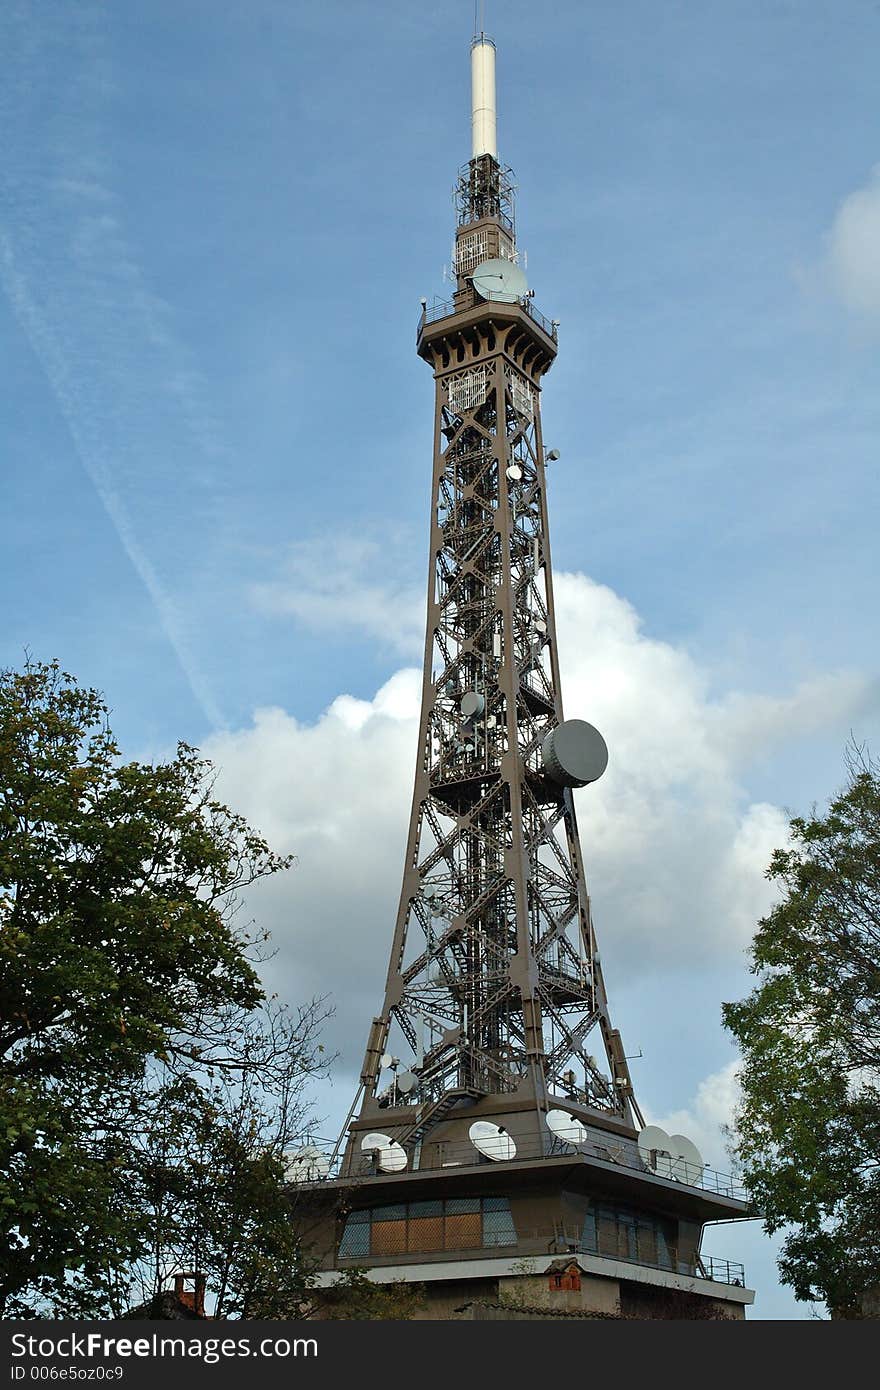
(675, 851)
(854, 249)
(706, 1118)
(331, 585)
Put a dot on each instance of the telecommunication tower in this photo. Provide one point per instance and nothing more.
(496, 1117)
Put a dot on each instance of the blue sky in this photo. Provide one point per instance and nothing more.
(216, 225)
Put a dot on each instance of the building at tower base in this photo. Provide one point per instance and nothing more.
(554, 1232)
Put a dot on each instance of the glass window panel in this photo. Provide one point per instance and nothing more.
(647, 1244)
(589, 1234)
(425, 1232)
(498, 1228)
(355, 1238)
(397, 1212)
(496, 1204)
(456, 1205)
(388, 1238)
(606, 1222)
(464, 1232)
(425, 1209)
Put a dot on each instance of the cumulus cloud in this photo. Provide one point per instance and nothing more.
(705, 1119)
(331, 585)
(854, 249)
(675, 850)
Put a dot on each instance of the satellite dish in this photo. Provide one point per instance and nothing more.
(500, 280)
(407, 1081)
(670, 1155)
(390, 1157)
(491, 1141)
(564, 1126)
(385, 1061)
(687, 1159)
(472, 704)
(574, 753)
(656, 1151)
(514, 472)
(307, 1164)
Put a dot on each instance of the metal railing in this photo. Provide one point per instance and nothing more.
(445, 1155)
(643, 1248)
(442, 309)
(722, 1271)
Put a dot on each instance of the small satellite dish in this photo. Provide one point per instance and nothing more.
(407, 1081)
(491, 1141)
(553, 455)
(472, 704)
(307, 1164)
(385, 1061)
(574, 753)
(500, 280)
(514, 473)
(564, 1126)
(539, 625)
(390, 1156)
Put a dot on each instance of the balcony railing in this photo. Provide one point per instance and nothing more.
(433, 1156)
(442, 309)
(642, 1248)
(638, 1246)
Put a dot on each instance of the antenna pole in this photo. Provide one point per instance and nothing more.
(483, 110)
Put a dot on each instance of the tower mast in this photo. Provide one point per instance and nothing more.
(495, 1094)
(494, 955)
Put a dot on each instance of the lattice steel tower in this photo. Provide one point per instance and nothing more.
(494, 985)
(493, 1073)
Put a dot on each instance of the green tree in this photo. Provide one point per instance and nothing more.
(354, 1297)
(208, 1165)
(124, 979)
(807, 1132)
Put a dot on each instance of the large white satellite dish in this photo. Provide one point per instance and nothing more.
(307, 1164)
(688, 1161)
(670, 1155)
(564, 1126)
(655, 1149)
(500, 280)
(390, 1156)
(491, 1141)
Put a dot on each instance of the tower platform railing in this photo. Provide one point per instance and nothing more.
(442, 309)
(640, 1248)
(447, 1156)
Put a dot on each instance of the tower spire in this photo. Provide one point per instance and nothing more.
(483, 108)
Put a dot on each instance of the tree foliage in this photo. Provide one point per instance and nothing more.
(147, 1086)
(808, 1129)
(355, 1297)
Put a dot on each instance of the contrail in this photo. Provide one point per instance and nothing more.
(73, 283)
(99, 472)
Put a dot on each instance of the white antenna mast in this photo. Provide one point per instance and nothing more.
(483, 109)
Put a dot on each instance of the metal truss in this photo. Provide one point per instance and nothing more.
(494, 984)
